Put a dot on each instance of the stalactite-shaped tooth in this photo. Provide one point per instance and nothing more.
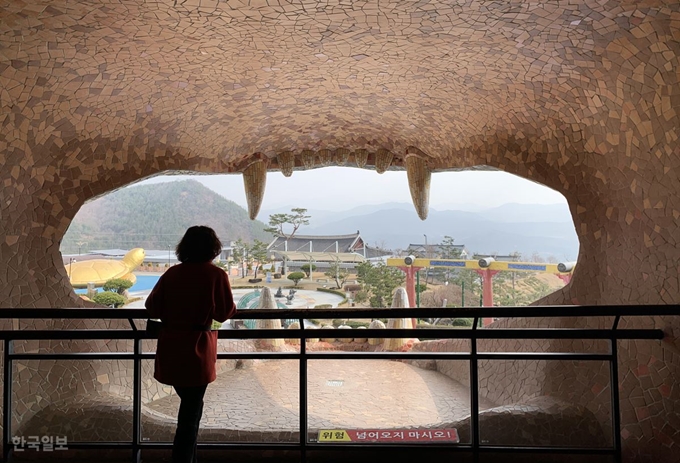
(325, 157)
(267, 301)
(341, 156)
(419, 175)
(383, 160)
(286, 162)
(308, 158)
(400, 299)
(255, 180)
(361, 157)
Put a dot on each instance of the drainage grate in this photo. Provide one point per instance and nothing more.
(335, 382)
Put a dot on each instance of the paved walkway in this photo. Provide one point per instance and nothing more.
(373, 394)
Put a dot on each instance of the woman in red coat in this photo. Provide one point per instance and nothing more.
(187, 298)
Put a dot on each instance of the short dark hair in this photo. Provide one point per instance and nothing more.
(199, 244)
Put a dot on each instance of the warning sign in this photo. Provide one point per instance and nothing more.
(334, 435)
(392, 435)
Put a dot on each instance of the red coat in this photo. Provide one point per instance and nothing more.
(186, 296)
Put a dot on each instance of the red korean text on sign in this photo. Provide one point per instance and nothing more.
(403, 435)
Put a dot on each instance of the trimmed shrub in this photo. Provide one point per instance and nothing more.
(295, 277)
(117, 285)
(305, 268)
(462, 322)
(109, 299)
(323, 306)
(332, 291)
(277, 276)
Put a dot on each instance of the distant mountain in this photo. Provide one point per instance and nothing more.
(513, 212)
(321, 217)
(156, 216)
(483, 232)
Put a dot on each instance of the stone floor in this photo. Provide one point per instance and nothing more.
(372, 394)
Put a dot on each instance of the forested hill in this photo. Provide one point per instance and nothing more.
(156, 216)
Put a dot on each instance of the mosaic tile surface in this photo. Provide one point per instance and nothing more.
(579, 95)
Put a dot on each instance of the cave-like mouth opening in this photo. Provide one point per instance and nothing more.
(521, 231)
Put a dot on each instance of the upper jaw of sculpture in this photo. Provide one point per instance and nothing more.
(413, 160)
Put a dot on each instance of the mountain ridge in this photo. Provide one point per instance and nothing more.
(156, 216)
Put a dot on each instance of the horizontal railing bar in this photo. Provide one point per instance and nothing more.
(423, 312)
(501, 333)
(74, 356)
(573, 450)
(167, 445)
(459, 355)
(463, 447)
(327, 355)
(112, 445)
(325, 446)
(544, 356)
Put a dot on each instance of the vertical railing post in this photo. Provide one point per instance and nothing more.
(7, 446)
(614, 381)
(137, 399)
(303, 395)
(474, 393)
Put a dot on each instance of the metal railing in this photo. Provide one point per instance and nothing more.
(136, 444)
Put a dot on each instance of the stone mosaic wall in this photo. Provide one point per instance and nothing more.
(648, 379)
(39, 384)
(581, 96)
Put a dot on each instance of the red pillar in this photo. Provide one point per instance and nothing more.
(487, 290)
(566, 277)
(410, 272)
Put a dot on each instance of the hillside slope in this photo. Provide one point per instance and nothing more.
(156, 216)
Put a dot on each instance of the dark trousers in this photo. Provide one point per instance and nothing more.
(188, 421)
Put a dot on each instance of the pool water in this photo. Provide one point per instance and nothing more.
(143, 283)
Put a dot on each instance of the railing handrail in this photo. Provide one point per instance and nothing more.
(516, 333)
(551, 311)
(611, 334)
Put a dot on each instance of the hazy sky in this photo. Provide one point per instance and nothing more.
(342, 188)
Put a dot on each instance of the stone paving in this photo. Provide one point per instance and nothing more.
(374, 394)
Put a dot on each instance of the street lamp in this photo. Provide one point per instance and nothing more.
(80, 244)
(70, 262)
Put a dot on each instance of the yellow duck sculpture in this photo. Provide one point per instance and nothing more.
(99, 271)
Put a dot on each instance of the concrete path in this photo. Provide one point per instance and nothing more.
(342, 393)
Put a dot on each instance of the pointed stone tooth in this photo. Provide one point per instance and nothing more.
(341, 156)
(325, 157)
(400, 299)
(361, 157)
(383, 160)
(286, 162)
(419, 175)
(308, 158)
(254, 180)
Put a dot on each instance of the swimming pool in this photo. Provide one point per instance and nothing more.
(143, 283)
